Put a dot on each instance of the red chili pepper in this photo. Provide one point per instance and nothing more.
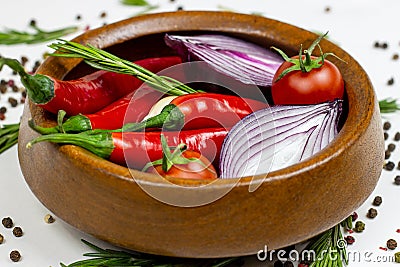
(200, 110)
(87, 94)
(136, 149)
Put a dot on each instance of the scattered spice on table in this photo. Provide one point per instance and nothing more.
(350, 239)
(15, 256)
(377, 201)
(396, 136)
(49, 219)
(397, 180)
(389, 166)
(386, 125)
(386, 135)
(359, 227)
(7, 222)
(17, 231)
(391, 244)
(372, 213)
(391, 147)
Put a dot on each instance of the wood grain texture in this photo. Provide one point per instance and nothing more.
(291, 205)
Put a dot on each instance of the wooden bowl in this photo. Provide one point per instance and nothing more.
(291, 205)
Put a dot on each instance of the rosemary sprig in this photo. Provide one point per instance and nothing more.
(330, 247)
(101, 59)
(8, 136)
(11, 37)
(389, 105)
(113, 258)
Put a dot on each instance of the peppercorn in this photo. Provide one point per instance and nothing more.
(354, 216)
(32, 22)
(398, 165)
(397, 180)
(385, 135)
(397, 257)
(78, 17)
(15, 255)
(278, 264)
(387, 125)
(48, 218)
(389, 166)
(390, 81)
(1, 239)
(17, 231)
(391, 147)
(349, 239)
(377, 201)
(384, 45)
(387, 154)
(395, 56)
(24, 60)
(3, 88)
(103, 14)
(13, 102)
(7, 222)
(397, 136)
(180, 8)
(3, 110)
(372, 213)
(327, 9)
(2, 116)
(377, 44)
(23, 93)
(288, 264)
(391, 244)
(359, 227)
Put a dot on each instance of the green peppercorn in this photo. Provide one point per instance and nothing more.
(397, 257)
(359, 227)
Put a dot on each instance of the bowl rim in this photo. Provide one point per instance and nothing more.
(348, 135)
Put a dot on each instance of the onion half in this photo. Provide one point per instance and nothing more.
(241, 60)
(277, 137)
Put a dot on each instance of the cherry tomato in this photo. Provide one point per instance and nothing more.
(201, 169)
(317, 86)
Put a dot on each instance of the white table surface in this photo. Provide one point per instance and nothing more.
(353, 24)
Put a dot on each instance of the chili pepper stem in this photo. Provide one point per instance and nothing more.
(40, 88)
(99, 142)
(170, 118)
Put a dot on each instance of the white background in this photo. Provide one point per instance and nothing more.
(353, 24)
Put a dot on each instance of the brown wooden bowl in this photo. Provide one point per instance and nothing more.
(291, 205)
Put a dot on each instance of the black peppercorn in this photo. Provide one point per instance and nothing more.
(17, 232)
(377, 201)
(377, 44)
(386, 125)
(391, 244)
(49, 219)
(395, 56)
(13, 102)
(15, 255)
(391, 147)
(386, 135)
(390, 81)
(372, 213)
(397, 136)
(389, 166)
(397, 180)
(387, 154)
(180, 8)
(7, 222)
(385, 45)
(3, 110)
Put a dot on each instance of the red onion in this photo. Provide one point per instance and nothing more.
(277, 137)
(244, 61)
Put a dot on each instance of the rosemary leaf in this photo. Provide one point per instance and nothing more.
(135, 2)
(389, 105)
(8, 136)
(114, 258)
(12, 37)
